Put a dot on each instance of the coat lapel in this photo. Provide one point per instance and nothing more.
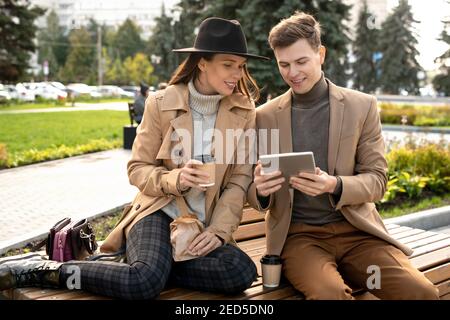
(223, 147)
(283, 115)
(336, 118)
(284, 124)
(176, 101)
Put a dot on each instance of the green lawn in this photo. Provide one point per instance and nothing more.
(30, 106)
(54, 104)
(411, 206)
(59, 134)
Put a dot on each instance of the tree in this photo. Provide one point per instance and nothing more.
(138, 69)
(17, 31)
(127, 41)
(172, 32)
(160, 47)
(365, 52)
(399, 67)
(81, 62)
(53, 44)
(441, 82)
(259, 16)
(115, 73)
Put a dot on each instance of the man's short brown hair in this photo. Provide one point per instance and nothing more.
(298, 26)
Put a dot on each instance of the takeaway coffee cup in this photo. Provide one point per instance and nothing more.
(209, 166)
(271, 270)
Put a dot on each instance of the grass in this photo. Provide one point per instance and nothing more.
(406, 206)
(47, 104)
(100, 100)
(59, 134)
(31, 106)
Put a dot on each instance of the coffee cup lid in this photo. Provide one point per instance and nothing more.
(271, 259)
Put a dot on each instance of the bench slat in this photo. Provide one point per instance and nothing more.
(431, 259)
(434, 238)
(444, 288)
(439, 273)
(419, 234)
(250, 231)
(251, 215)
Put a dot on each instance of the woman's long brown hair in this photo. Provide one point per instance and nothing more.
(188, 70)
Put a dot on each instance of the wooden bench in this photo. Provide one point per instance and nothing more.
(431, 256)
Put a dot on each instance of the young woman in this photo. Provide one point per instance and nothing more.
(211, 92)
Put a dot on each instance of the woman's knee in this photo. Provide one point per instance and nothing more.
(240, 272)
(145, 281)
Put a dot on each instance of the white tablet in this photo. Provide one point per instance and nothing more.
(290, 164)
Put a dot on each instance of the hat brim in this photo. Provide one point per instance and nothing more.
(194, 50)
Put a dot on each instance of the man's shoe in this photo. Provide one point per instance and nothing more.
(31, 271)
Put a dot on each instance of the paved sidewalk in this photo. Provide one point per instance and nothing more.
(34, 197)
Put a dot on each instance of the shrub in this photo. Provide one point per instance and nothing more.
(416, 115)
(58, 152)
(414, 168)
(3, 155)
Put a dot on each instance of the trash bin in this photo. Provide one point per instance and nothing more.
(129, 133)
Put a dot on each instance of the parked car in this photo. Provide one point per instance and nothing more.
(4, 94)
(46, 90)
(114, 91)
(20, 92)
(78, 89)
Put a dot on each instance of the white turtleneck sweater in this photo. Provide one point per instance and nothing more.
(204, 111)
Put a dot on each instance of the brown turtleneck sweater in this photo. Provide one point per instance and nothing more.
(310, 119)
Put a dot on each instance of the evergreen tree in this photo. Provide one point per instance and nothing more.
(190, 13)
(441, 82)
(127, 41)
(17, 32)
(173, 32)
(160, 47)
(81, 59)
(333, 16)
(399, 67)
(365, 50)
(259, 16)
(53, 45)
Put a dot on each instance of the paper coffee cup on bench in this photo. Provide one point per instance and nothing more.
(271, 270)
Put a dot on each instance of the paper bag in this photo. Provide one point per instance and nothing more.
(183, 230)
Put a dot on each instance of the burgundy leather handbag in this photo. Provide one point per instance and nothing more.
(71, 240)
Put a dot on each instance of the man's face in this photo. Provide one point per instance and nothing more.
(300, 65)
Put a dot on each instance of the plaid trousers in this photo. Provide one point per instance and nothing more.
(150, 266)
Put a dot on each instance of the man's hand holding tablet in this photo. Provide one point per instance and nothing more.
(298, 168)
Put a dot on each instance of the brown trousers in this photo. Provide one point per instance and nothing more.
(324, 261)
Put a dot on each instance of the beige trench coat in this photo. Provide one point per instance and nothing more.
(162, 139)
(355, 153)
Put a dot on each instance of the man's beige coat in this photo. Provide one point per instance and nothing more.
(164, 141)
(355, 153)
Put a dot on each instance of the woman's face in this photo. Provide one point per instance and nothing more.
(220, 75)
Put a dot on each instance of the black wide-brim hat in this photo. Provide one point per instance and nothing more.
(217, 35)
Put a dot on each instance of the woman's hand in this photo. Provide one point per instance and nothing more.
(204, 243)
(191, 177)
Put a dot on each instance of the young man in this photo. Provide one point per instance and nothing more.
(325, 225)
